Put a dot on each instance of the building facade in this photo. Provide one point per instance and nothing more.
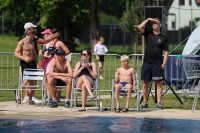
(183, 13)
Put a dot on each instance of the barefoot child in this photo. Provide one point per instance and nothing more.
(125, 77)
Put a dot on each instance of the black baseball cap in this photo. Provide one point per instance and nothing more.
(60, 52)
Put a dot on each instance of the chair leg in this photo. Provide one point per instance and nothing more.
(112, 102)
(17, 96)
(137, 100)
(21, 95)
(71, 100)
(75, 99)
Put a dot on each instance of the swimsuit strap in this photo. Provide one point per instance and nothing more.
(55, 43)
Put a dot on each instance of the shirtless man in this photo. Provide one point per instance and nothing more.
(126, 77)
(25, 51)
(37, 41)
(60, 74)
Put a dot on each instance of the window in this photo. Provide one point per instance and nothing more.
(173, 24)
(181, 2)
(190, 2)
(191, 23)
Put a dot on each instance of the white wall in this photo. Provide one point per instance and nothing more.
(185, 15)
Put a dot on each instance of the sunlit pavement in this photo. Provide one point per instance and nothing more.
(8, 110)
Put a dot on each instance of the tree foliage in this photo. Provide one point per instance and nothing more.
(108, 19)
(132, 16)
(94, 21)
(67, 15)
(70, 17)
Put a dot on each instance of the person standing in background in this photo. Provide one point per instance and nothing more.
(100, 49)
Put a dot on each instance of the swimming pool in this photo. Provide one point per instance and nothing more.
(101, 124)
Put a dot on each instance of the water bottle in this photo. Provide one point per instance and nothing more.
(101, 106)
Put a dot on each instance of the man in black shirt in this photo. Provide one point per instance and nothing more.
(153, 65)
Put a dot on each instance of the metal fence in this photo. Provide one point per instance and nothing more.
(9, 70)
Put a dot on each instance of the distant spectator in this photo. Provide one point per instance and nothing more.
(76, 41)
(100, 49)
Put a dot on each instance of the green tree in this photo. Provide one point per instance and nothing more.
(94, 21)
(108, 19)
(17, 13)
(67, 15)
(132, 16)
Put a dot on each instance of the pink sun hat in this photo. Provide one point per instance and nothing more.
(47, 31)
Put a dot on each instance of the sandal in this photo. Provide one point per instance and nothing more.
(125, 109)
(19, 101)
(31, 102)
(92, 97)
(117, 110)
(82, 109)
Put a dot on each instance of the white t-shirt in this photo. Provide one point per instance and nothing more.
(100, 48)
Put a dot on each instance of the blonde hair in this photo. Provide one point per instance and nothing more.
(124, 57)
(31, 30)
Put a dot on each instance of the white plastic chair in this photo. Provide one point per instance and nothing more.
(32, 74)
(124, 91)
(75, 90)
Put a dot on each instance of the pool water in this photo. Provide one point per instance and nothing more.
(101, 124)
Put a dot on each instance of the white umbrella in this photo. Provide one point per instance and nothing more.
(192, 45)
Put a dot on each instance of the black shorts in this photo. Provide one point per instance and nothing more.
(30, 65)
(60, 82)
(151, 71)
(101, 58)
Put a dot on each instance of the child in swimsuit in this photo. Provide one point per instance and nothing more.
(125, 77)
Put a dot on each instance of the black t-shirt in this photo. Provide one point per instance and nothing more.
(155, 44)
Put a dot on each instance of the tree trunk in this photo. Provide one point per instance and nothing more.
(94, 21)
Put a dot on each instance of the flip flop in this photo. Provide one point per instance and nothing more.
(125, 109)
(82, 109)
(92, 97)
(19, 102)
(117, 110)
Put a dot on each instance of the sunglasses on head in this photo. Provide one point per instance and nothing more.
(83, 54)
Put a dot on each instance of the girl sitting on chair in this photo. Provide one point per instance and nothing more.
(85, 71)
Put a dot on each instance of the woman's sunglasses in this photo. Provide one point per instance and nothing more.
(83, 54)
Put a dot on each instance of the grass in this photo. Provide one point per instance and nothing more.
(9, 66)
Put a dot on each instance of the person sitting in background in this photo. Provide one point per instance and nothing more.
(85, 71)
(60, 74)
(125, 77)
(100, 48)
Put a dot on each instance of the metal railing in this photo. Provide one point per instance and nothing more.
(9, 69)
